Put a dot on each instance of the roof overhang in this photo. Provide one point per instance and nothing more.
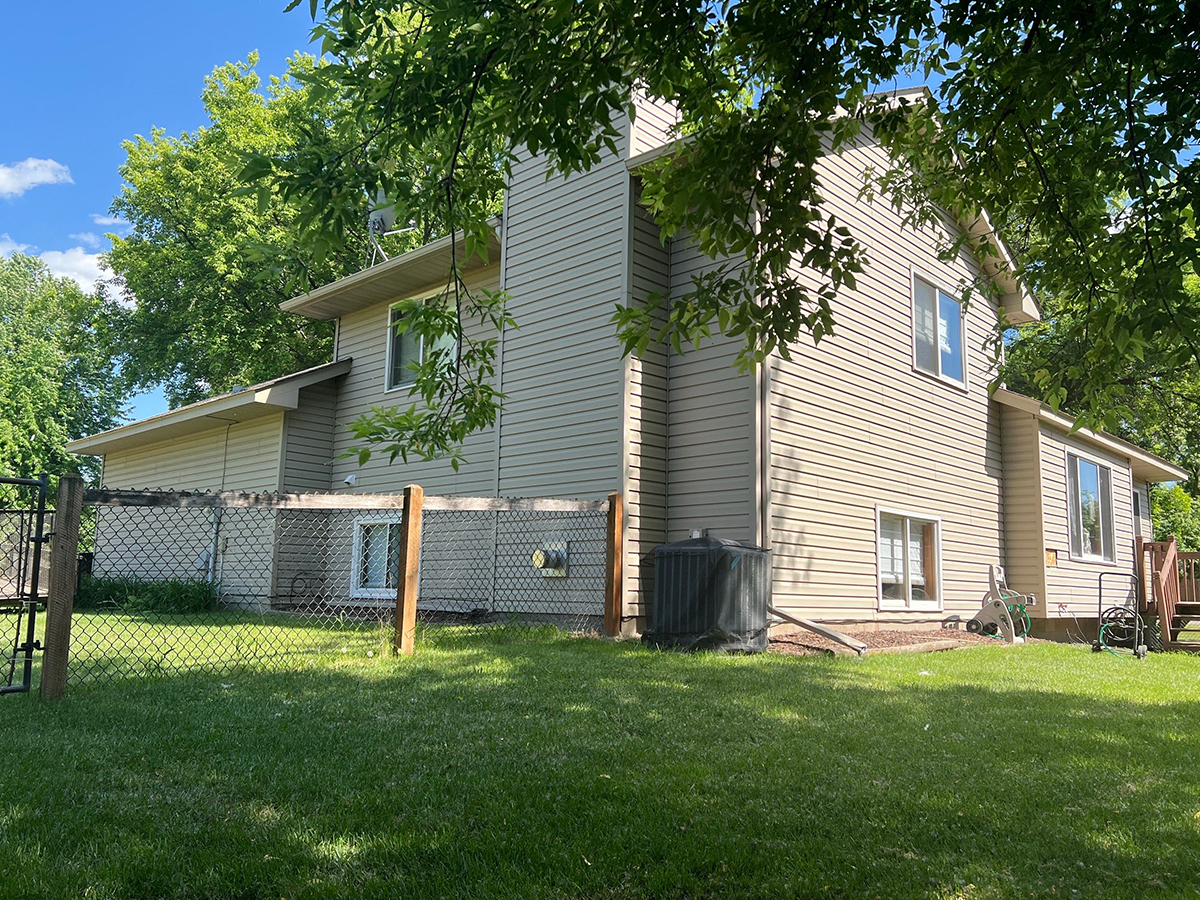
(1146, 466)
(408, 275)
(264, 399)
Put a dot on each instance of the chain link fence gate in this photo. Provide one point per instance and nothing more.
(24, 523)
(211, 582)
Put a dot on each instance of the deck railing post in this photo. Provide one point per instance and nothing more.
(408, 576)
(60, 600)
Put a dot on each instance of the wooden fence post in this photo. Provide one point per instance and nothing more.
(615, 550)
(60, 601)
(408, 580)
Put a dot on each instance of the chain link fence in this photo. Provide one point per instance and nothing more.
(23, 521)
(176, 583)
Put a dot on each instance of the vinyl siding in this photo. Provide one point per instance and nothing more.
(168, 543)
(646, 423)
(239, 457)
(1072, 585)
(652, 124)
(308, 439)
(1025, 561)
(566, 267)
(364, 337)
(710, 449)
(854, 427)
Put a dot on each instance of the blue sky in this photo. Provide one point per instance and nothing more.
(79, 77)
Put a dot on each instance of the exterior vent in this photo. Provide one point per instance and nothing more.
(710, 594)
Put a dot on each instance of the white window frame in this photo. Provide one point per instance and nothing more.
(889, 605)
(938, 290)
(357, 590)
(1111, 537)
(387, 360)
(387, 364)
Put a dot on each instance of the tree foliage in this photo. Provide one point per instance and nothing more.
(1073, 124)
(1176, 513)
(58, 369)
(207, 263)
(1151, 401)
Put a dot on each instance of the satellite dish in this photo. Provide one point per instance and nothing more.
(382, 218)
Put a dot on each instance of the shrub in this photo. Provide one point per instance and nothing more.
(177, 595)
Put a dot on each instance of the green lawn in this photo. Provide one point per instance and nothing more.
(560, 767)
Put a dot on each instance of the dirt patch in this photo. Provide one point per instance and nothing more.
(806, 643)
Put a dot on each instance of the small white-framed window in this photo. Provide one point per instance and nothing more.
(375, 559)
(939, 333)
(406, 350)
(910, 561)
(1090, 509)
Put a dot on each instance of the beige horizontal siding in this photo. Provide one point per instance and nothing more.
(645, 422)
(364, 337)
(1072, 586)
(239, 457)
(854, 427)
(711, 453)
(1024, 551)
(652, 123)
(566, 251)
(308, 439)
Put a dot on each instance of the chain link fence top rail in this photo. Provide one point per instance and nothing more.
(176, 583)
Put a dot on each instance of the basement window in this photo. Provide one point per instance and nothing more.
(909, 562)
(375, 565)
(1089, 498)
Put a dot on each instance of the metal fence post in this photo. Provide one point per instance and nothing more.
(60, 602)
(613, 578)
(408, 580)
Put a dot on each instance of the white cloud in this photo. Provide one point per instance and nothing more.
(19, 177)
(86, 237)
(8, 246)
(110, 221)
(76, 263)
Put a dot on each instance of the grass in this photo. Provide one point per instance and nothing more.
(565, 767)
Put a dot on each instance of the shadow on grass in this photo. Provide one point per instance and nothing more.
(568, 768)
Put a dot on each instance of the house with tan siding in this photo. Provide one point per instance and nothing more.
(876, 466)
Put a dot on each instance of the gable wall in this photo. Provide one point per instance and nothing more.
(853, 427)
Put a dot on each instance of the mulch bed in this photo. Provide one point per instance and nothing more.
(806, 643)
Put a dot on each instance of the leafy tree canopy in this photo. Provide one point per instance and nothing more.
(1151, 401)
(1074, 124)
(207, 263)
(58, 373)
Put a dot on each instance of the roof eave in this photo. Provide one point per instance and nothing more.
(1146, 466)
(396, 278)
(278, 395)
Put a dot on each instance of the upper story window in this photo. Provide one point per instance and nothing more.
(404, 351)
(1089, 501)
(938, 333)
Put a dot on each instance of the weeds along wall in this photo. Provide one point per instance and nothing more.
(176, 581)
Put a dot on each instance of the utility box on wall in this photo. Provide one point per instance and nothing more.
(710, 594)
